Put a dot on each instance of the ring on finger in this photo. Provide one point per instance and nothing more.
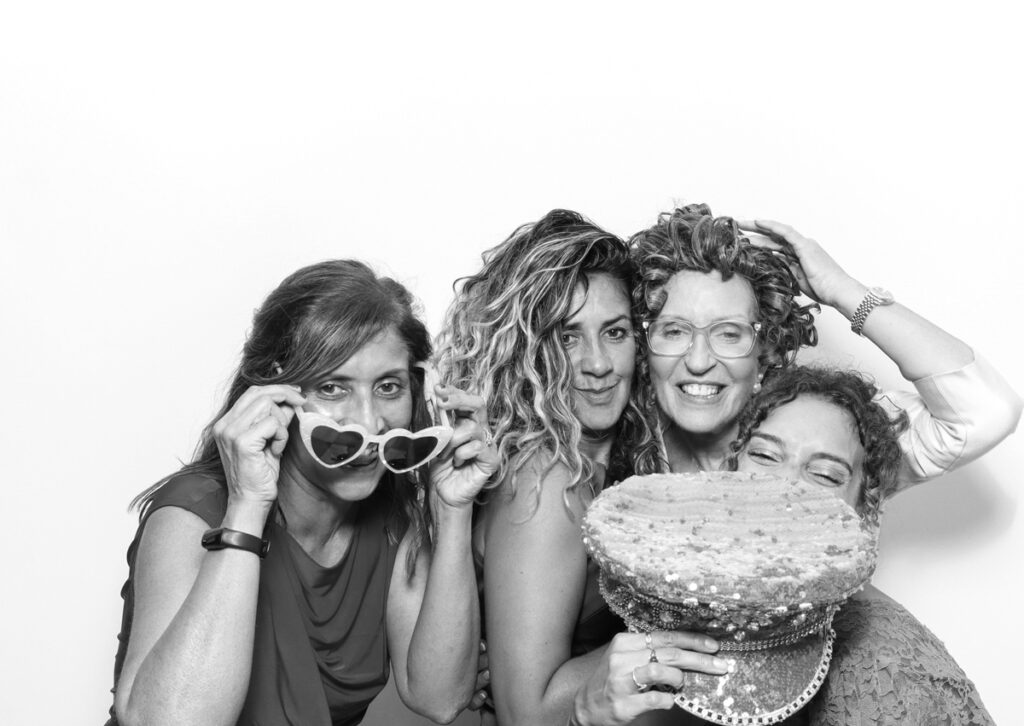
(649, 642)
(640, 687)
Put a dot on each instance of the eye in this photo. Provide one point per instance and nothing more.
(330, 389)
(618, 334)
(727, 333)
(391, 388)
(764, 457)
(570, 339)
(673, 330)
(827, 476)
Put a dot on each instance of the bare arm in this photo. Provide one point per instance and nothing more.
(963, 406)
(534, 580)
(918, 347)
(189, 653)
(190, 649)
(434, 617)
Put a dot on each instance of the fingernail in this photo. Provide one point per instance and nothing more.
(483, 646)
(486, 674)
(710, 643)
(720, 663)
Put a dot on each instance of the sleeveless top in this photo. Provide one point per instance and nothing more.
(320, 649)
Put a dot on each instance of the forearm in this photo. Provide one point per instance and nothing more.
(442, 660)
(555, 704)
(917, 346)
(197, 671)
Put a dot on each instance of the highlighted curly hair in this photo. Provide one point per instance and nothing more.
(849, 390)
(502, 339)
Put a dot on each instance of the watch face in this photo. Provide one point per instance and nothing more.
(883, 296)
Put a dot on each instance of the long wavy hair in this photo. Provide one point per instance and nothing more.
(503, 339)
(849, 390)
(691, 238)
(314, 321)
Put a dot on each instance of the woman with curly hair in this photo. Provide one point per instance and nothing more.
(721, 319)
(544, 334)
(826, 427)
(720, 313)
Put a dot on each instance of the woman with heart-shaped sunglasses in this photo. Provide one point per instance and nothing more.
(279, 576)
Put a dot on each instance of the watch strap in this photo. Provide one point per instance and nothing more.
(221, 538)
(875, 296)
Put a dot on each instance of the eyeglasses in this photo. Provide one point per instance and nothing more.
(400, 450)
(726, 338)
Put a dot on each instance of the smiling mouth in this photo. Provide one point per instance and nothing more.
(705, 391)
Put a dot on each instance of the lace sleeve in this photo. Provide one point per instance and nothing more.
(888, 668)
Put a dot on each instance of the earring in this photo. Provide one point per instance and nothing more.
(757, 383)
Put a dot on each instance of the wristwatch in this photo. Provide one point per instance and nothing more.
(875, 297)
(223, 538)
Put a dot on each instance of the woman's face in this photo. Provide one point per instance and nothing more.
(812, 439)
(698, 392)
(600, 343)
(372, 389)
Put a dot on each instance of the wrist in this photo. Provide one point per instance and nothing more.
(848, 296)
(247, 515)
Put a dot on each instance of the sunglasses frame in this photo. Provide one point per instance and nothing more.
(309, 421)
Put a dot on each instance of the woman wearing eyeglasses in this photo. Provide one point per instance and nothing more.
(721, 314)
(276, 578)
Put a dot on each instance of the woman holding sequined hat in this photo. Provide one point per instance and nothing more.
(321, 535)
(721, 315)
(543, 333)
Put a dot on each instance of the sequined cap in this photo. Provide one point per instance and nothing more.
(760, 563)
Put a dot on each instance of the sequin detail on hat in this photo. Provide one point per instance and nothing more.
(730, 717)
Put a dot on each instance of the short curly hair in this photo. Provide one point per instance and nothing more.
(851, 391)
(691, 238)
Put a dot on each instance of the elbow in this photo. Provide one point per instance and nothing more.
(436, 704)
(443, 712)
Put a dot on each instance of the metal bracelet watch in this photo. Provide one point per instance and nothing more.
(223, 538)
(875, 297)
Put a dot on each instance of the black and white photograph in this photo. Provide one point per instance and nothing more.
(522, 365)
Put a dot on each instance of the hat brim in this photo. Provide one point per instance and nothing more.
(763, 686)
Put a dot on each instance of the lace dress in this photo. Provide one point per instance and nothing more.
(888, 668)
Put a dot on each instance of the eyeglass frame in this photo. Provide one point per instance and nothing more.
(702, 330)
(309, 421)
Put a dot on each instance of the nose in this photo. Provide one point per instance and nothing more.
(595, 360)
(362, 410)
(699, 358)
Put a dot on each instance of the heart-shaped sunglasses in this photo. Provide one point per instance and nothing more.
(333, 444)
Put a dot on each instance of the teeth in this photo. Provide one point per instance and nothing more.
(700, 389)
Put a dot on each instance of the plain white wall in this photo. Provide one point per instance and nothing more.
(163, 167)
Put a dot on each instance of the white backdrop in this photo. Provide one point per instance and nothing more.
(162, 168)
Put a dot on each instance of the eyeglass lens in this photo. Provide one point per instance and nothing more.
(332, 447)
(727, 339)
(400, 452)
(404, 453)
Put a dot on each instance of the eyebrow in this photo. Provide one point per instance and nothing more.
(605, 324)
(393, 373)
(817, 455)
